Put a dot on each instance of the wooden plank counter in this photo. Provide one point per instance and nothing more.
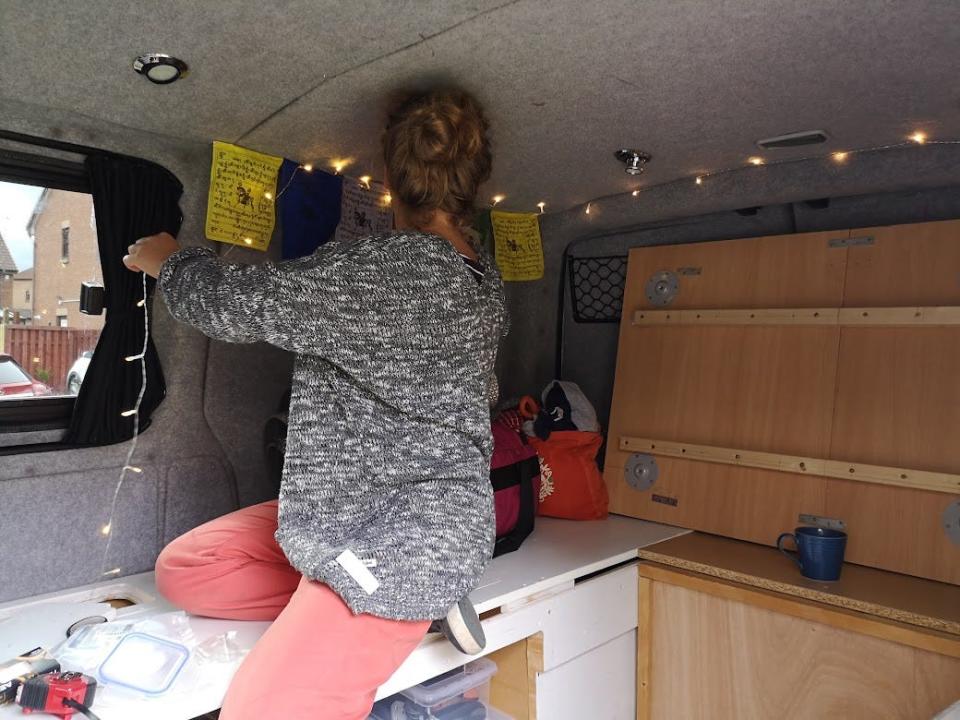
(906, 599)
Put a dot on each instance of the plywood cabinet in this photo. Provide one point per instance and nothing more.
(716, 650)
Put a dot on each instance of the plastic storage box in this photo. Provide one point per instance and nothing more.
(144, 663)
(461, 694)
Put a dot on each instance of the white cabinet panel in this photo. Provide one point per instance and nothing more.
(598, 685)
(594, 612)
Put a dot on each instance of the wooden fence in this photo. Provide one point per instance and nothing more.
(47, 353)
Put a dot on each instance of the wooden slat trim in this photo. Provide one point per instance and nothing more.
(534, 669)
(644, 648)
(894, 316)
(920, 638)
(858, 472)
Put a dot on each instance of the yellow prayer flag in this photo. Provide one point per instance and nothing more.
(519, 251)
(243, 188)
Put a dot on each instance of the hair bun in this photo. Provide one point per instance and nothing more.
(444, 131)
(437, 152)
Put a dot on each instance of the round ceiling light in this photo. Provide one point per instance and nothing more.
(633, 159)
(159, 68)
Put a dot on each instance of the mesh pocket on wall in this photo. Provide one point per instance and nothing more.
(596, 287)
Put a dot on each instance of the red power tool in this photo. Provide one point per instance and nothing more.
(59, 693)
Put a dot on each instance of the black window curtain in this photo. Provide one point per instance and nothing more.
(131, 199)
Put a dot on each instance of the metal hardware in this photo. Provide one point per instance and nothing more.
(641, 471)
(664, 500)
(850, 242)
(824, 522)
(689, 271)
(662, 288)
(633, 159)
(951, 522)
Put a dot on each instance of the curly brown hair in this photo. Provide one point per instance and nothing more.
(437, 153)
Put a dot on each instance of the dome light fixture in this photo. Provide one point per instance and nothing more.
(633, 159)
(159, 68)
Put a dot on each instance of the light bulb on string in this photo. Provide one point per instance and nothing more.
(635, 193)
(365, 181)
(497, 199)
(541, 205)
(307, 167)
(699, 180)
(919, 138)
(387, 199)
(106, 529)
(840, 156)
(587, 209)
(756, 161)
(268, 195)
(248, 241)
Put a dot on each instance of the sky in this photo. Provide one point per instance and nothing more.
(16, 206)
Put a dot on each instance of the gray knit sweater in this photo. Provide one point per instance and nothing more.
(386, 494)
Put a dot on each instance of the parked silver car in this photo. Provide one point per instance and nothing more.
(78, 371)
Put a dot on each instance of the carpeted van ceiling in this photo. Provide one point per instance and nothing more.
(566, 82)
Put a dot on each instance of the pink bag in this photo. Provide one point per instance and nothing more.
(515, 476)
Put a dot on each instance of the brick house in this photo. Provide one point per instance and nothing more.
(22, 304)
(66, 254)
(8, 268)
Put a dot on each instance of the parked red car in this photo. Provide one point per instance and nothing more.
(17, 382)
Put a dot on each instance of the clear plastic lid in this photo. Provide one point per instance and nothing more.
(144, 663)
(451, 684)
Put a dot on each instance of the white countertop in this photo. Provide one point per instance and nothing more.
(555, 555)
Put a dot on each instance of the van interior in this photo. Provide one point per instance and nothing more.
(729, 235)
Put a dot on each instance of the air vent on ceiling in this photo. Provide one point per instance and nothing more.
(808, 137)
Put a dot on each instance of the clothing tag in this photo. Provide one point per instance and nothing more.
(356, 569)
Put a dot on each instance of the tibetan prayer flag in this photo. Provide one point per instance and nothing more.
(518, 249)
(240, 203)
(309, 208)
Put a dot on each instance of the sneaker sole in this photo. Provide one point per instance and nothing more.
(464, 631)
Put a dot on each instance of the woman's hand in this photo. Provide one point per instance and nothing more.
(149, 253)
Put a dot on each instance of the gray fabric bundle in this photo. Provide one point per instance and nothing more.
(386, 493)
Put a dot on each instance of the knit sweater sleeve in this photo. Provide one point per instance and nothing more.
(293, 305)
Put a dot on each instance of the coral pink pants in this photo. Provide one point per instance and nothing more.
(317, 660)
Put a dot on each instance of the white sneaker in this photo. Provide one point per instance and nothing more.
(463, 629)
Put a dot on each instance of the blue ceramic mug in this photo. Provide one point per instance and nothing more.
(819, 551)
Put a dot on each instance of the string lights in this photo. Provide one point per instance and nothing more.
(541, 205)
(107, 529)
(839, 157)
(497, 199)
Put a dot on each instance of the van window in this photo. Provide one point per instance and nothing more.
(48, 248)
